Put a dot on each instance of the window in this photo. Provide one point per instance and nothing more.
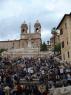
(63, 44)
(23, 30)
(68, 54)
(61, 31)
(67, 42)
(37, 30)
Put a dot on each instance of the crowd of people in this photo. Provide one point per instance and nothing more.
(59, 73)
(24, 76)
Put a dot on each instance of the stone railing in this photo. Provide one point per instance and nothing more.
(61, 91)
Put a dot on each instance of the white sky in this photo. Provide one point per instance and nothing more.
(14, 12)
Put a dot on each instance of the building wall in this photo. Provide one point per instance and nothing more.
(35, 39)
(52, 42)
(66, 38)
(6, 44)
(9, 44)
(57, 40)
(22, 43)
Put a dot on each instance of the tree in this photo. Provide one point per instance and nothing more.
(57, 48)
(43, 46)
(2, 50)
(53, 31)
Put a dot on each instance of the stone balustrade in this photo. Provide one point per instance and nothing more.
(61, 91)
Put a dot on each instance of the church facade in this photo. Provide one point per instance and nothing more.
(25, 38)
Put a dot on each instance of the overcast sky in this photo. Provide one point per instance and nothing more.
(14, 12)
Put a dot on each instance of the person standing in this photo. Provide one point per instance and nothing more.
(7, 90)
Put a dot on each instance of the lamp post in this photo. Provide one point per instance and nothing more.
(54, 35)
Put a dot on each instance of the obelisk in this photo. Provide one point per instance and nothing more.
(29, 40)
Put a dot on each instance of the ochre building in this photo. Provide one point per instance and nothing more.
(65, 37)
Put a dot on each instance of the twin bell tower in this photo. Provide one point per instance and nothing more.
(27, 28)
